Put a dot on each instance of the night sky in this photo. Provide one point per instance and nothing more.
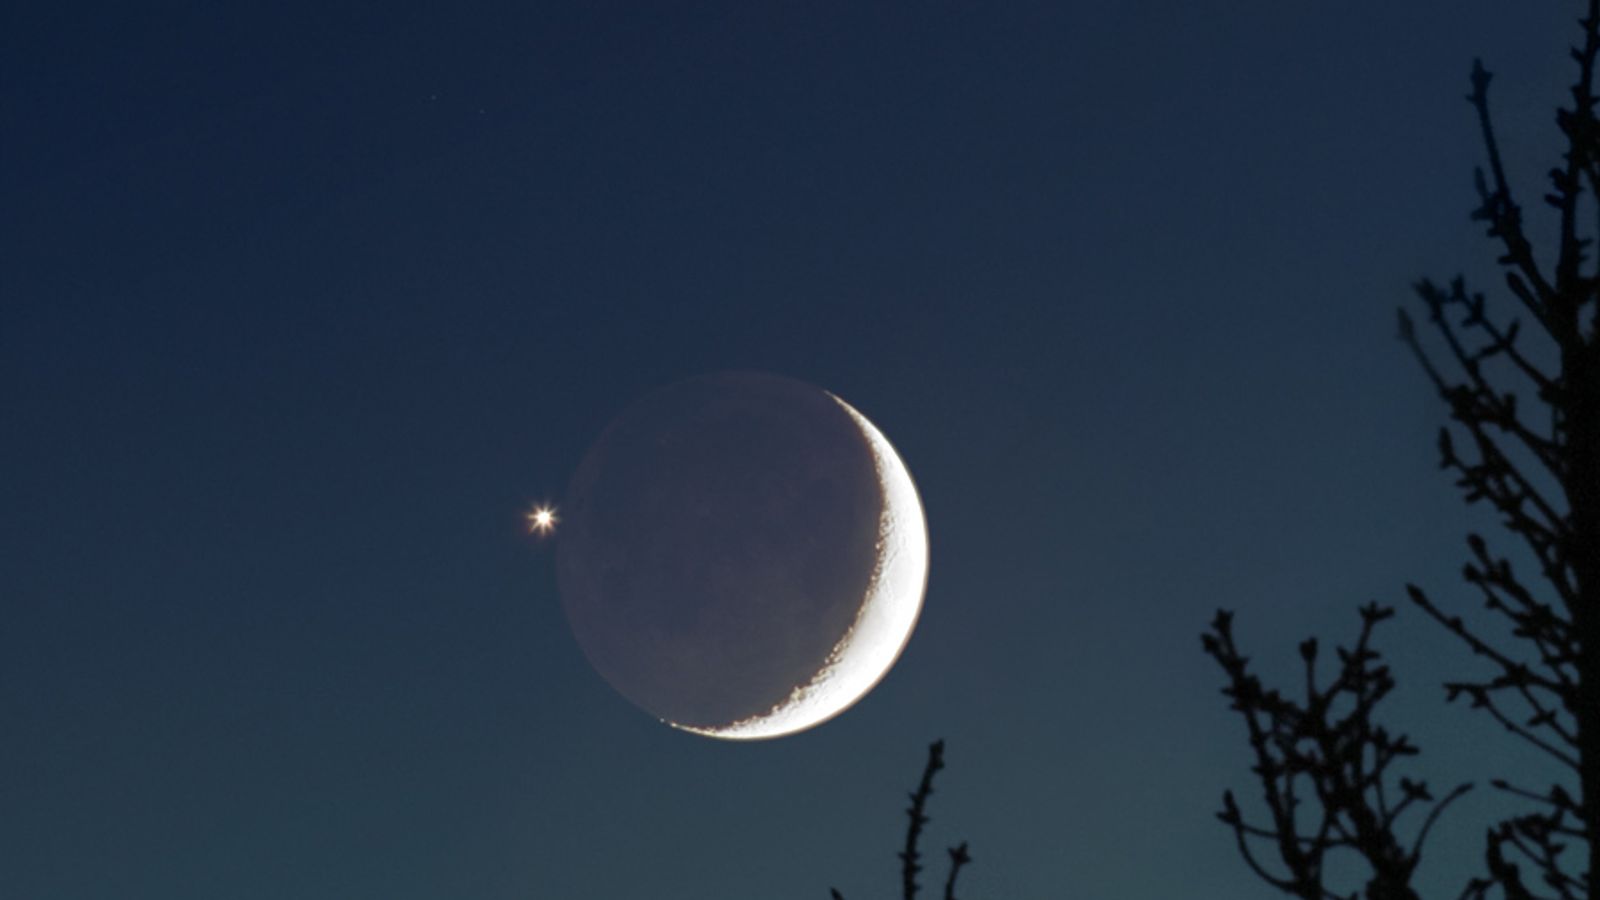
(303, 306)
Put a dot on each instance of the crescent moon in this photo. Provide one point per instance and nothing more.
(886, 618)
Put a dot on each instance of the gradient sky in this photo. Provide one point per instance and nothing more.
(302, 306)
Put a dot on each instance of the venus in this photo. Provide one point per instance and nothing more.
(742, 555)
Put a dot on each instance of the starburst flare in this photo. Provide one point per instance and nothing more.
(542, 520)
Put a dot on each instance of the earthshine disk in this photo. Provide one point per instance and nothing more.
(742, 555)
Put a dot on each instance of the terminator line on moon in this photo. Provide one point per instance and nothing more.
(742, 555)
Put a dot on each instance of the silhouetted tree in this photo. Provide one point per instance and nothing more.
(911, 857)
(1529, 413)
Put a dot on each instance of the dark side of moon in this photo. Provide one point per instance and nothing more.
(720, 539)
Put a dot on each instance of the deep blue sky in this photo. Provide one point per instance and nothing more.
(301, 306)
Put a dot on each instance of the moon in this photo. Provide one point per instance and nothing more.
(743, 555)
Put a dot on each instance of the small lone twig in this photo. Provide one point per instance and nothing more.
(909, 864)
(958, 858)
(911, 857)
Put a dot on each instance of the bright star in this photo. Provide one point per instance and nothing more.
(542, 520)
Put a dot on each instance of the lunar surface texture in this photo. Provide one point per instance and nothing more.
(742, 555)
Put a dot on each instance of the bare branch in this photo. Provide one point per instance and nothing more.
(958, 858)
(1331, 744)
(909, 857)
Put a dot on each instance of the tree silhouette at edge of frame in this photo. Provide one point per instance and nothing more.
(1322, 759)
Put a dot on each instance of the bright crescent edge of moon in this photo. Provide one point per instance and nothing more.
(882, 628)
